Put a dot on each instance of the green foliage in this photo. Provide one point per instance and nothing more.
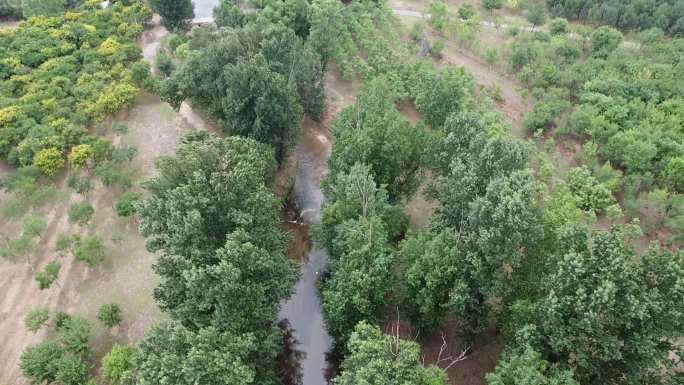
(491, 55)
(59, 74)
(527, 367)
(589, 192)
(171, 353)
(42, 7)
(48, 275)
(375, 358)
(80, 155)
(109, 314)
(439, 15)
(491, 5)
(80, 213)
(428, 269)
(120, 128)
(257, 280)
(49, 161)
(89, 249)
(117, 362)
(536, 15)
(629, 321)
(174, 13)
(80, 185)
(438, 94)
(604, 41)
(210, 175)
(33, 226)
(374, 133)
(125, 206)
(73, 336)
(163, 63)
(360, 278)
(628, 14)
(255, 92)
(674, 174)
(39, 362)
(466, 11)
(36, 318)
(559, 26)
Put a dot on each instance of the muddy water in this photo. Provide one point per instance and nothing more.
(303, 310)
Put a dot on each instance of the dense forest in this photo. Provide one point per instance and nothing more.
(547, 258)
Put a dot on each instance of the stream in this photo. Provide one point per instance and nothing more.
(303, 310)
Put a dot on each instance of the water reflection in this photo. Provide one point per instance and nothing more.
(303, 310)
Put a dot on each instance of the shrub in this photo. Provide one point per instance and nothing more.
(117, 362)
(163, 63)
(109, 314)
(33, 226)
(125, 206)
(558, 26)
(80, 213)
(80, 155)
(119, 128)
(437, 48)
(90, 250)
(590, 193)
(36, 318)
(49, 161)
(80, 185)
(48, 275)
(466, 11)
(491, 55)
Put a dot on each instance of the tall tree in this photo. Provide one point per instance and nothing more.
(210, 188)
(240, 289)
(380, 359)
(373, 132)
(610, 316)
(527, 367)
(172, 354)
(174, 13)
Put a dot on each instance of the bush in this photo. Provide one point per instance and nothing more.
(466, 11)
(558, 26)
(48, 275)
(125, 206)
(163, 63)
(49, 161)
(32, 8)
(175, 40)
(437, 48)
(90, 250)
(36, 318)
(80, 155)
(109, 314)
(80, 185)
(491, 55)
(80, 213)
(590, 193)
(33, 226)
(119, 128)
(491, 5)
(64, 242)
(117, 362)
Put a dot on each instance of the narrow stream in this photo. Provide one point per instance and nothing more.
(303, 309)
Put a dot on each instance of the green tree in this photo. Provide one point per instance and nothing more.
(604, 41)
(174, 13)
(80, 213)
(528, 368)
(80, 155)
(374, 133)
(42, 7)
(90, 250)
(117, 362)
(380, 359)
(210, 188)
(438, 94)
(429, 267)
(172, 354)
(361, 278)
(40, 362)
(257, 281)
(491, 5)
(558, 26)
(48, 275)
(536, 15)
(71, 371)
(609, 315)
(36, 318)
(74, 334)
(125, 206)
(49, 160)
(109, 314)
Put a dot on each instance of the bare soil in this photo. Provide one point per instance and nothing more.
(125, 276)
